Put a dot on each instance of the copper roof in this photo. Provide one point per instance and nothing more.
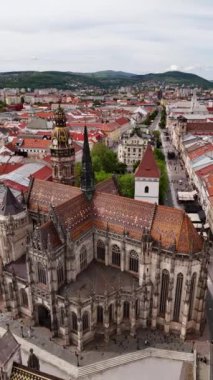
(148, 167)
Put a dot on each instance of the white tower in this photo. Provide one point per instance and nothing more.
(147, 177)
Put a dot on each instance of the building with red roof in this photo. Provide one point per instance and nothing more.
(147, 178)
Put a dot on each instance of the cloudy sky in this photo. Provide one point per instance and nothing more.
(138, 36)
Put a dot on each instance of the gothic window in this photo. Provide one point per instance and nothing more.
(116, 255)
(99, 314)
(85, 321)
(178, 293)
(126, 310)
(11, 295)
(24, 298)
(164, 292)
(137, 308)
(110, 313)
(42, 274)
(146, 190)
(83, 258)
(192, 295)
(62, 316)
(74, 322)
(56, 171)
(60, 275)
(100, 250)
(133, 261)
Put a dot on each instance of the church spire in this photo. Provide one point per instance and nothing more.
(87, 173)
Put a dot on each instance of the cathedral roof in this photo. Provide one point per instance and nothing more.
(42, 194)
(8, 346)
(119, 215)
(148, 167)
(108, 186)
(49, 235)
(173, 228)
(10, 205)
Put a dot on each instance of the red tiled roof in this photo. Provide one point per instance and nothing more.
(200, 151)
(204, 171)
(199, 126)
(122, 121)
(148, 167)
(7, 168)
(44, 173)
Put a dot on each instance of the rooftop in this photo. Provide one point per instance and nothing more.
(148, 167)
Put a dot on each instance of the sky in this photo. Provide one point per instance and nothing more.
(138, 36)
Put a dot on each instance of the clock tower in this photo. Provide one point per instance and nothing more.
(62, 150)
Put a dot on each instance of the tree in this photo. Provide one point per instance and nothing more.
(77, 173)
(101, 176)
(126, 184)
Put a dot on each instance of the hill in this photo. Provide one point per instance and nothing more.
(101, 79)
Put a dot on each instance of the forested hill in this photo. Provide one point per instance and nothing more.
(103, 79)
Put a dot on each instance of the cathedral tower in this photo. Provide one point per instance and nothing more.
(87, 173)
(62, 150)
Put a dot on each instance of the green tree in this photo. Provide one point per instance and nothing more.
(101, 176)
(126, 184)
(77, 173)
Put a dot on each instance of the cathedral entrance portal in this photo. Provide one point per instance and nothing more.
(44, 316)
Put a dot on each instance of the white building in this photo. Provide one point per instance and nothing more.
(131, 148)
(147, 178)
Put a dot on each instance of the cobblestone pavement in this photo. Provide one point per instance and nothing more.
(99, 350)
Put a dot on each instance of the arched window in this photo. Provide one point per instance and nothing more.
(178, 294)
(126, 310)
(99, 314)
(116, 255)
(83, 258)
(133, 261)
(137, 308)
(110, 313)
(164, 292)
(100, 250)
(24, 298)
(56, 171)
(146, 190)
(60, 275)
(192, 296)
(62, 316)
(42, 274)
(74, 322)
(85, 321)
(11, 294)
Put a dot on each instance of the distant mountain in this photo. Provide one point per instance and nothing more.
(110, 74)
(176, 77)
(102, 79)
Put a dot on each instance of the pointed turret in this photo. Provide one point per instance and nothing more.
(87, 173)
(10, 205)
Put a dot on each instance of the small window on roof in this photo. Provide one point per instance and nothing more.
(146, 190)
